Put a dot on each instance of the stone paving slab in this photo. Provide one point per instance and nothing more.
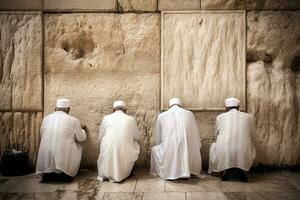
(261, 186)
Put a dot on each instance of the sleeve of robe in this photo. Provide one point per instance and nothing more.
(196, 131)
(102, 130)
(217, 127)
(80, 134)
(158, 132)
(137, 133)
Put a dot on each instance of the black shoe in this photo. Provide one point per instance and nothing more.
(65, 178)
(243, 177)
(225, 176)
(48, 177)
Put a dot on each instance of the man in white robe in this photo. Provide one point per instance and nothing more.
(61, 144)
(233, 151)
(119, 149)
(177, 150)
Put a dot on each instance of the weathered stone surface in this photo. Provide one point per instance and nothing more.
(223, 4)
(95, 59)
(137, 5)
(203, 58)
(6, 123)
(179, 4)
(273, 4)
(206, 125)
(20, 61)
(92, 95)
(20, 5)
(102, 43)
(103, 5)
(26, 133)
(273, 46)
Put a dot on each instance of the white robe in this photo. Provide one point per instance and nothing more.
(234, 146)
(177, 150)
(119, 148)
(60, 149)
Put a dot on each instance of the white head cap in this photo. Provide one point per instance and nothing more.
(174, 101)
(232, 102)
(119, 104)
(63, 103)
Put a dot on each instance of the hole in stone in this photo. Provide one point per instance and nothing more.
(66, 46)
(268, 58)
(295, 66)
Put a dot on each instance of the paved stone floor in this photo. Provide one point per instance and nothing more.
(263, 185)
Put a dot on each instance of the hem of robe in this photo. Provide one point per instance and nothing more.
(225, 168)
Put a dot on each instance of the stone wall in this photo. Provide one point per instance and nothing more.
(97, 51)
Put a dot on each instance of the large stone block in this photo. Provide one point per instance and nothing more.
(102, 43)
(273, 51)
(86, 5)
(26, 133)
(21, 4)
(95, 59)
(92, 95)
(6, 123)
(273, 4)
(203, 58)
(178, 5)
(20, 61)
(137, 5)
(223, 4)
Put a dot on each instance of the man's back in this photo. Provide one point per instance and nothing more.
(58, 148)
(234, 145)
(177, 150)
(118, 148)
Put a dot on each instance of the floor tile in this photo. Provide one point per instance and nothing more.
(124, 186)
(81, 195)
(236, 186)
(84, 185)
(164, 196)
(150, 184)
(294, 178)
(33, 185)
(123, 196)
(193, 185)
(205, 195)
(255, 196)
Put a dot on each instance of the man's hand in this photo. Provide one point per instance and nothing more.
(83, 127)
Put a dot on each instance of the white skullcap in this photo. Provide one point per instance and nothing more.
(232, 102)
(174, 101)
(63, 103)
(119, 104)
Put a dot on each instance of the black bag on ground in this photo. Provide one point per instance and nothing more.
(15, 163)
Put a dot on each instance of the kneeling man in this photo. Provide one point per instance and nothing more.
(119, 149)
(234, 150)
(61, 144)
(177, 151)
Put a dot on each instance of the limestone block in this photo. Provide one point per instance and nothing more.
(6, 123)
(203, 58)
(26, 133)
(92, 95)
(273, 51)
(103, 5)
(223, 4)
(102, 43)
(21, 4)
(137, 5)
(178, 4)
(273, 4)
(20, 59)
